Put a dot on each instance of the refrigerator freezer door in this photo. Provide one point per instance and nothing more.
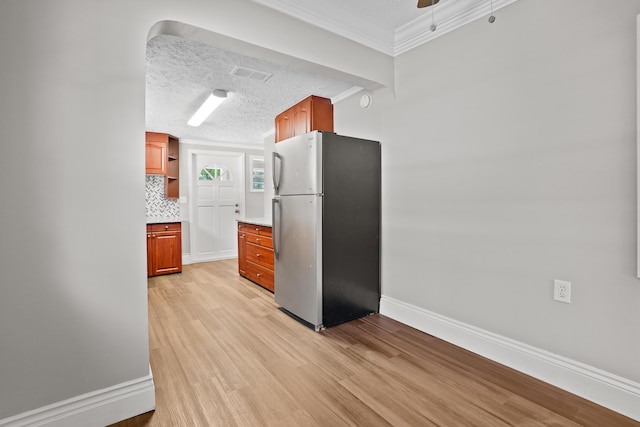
(297, 165)
(297, 229)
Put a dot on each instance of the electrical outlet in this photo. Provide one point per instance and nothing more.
(562, 291)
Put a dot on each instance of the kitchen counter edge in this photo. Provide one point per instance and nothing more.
(265, 222)
(162, 220)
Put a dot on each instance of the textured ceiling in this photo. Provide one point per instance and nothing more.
(182, 73)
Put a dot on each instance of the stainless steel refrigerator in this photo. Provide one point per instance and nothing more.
(326, 227)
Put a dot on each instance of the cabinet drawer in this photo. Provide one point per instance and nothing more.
(171, 226)
(256, 229)
(258, 239)
(260, 255)
(263, 231)
(260, 275)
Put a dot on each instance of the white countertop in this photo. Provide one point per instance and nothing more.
(162, 219)
(257, 221)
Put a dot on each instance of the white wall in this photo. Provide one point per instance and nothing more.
(73, 296)
(509, 160)
(73, 304)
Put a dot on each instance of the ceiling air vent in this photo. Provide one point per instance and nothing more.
(250, 73)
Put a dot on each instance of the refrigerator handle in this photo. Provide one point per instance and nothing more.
(276, 182)
(276, 226)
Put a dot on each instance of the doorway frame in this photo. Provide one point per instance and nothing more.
(191, 198)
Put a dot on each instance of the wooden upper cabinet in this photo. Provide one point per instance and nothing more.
(302, 117)
(156, 153)
(172, 149)
(312, 113)
(161, 153)
(284, 128)
(172, 181)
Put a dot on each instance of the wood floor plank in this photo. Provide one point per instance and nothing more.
(223, 354)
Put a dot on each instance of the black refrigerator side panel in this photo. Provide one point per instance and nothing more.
(351, 228)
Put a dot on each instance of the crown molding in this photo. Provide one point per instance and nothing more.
(448, 16)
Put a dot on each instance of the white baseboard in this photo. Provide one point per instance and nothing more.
(186, 259)
(98, 408)
(606, 389)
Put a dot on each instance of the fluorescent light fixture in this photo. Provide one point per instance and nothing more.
(213, 101)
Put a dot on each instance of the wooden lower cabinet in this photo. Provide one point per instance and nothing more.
(255, 254)
(164, 248)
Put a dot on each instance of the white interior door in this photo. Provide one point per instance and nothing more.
(217, 201)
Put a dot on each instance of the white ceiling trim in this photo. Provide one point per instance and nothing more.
(347, 93)
(191, 141)
(448, 17)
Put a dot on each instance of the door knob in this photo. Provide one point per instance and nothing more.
(237, 210)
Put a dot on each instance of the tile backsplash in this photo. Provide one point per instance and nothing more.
(157, 206)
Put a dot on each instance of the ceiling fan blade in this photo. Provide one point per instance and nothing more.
(426, 3)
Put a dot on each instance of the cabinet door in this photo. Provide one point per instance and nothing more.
(284, 125)
(242, 253)
(302, 117)
(156, 157)
(167, 252)
(321, 117)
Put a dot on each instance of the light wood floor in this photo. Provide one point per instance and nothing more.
(222, 354)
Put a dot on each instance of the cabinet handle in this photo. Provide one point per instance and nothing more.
(148, 235)
(257, 255)
(166, 227)
(258, 275)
